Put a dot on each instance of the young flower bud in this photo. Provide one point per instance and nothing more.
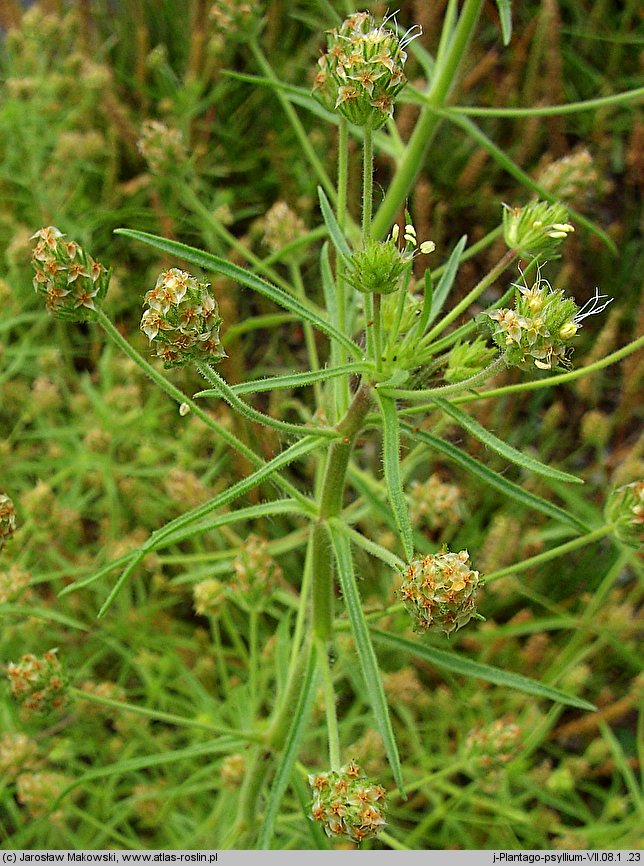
(625, 510)
(536, 229)
(467, 359)
(72, 282)
(362, 71)
(439, 591)
(7, 519)
(539, 329)
(377, 268)
(347, 803)
(38, 684)
(182, 320)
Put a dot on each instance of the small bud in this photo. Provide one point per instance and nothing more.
(347, 803)
(536, 229)
(182, 320)
(377, 268)
(73, 283)
(362, 72)
(625, 510)
(184, 409)
(38, 684)
(467, 359)
(7, 519)
(439, 591)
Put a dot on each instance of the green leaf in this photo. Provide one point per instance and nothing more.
(335, 232)
(505, 14)
(296, 733)
(291, 380)
(283, 459)
(366, 653)
(393, 478)
(508, 488)
(210, 262)
(447, 280)
(43, 613)
(479, 432)
(451, 661)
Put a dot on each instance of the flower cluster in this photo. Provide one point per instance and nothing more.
(72, 282)
(209, 595)
(235, 18)
(13, 583)
(540, 328)
(182, 320)
(7, 519)
(38, 684)
(282, 226)
(256, 573)
(495, 745)
(347, 803)
(362, 71)
(378, 266)
(439, 591)
(537, 229)
(435, 504)
(570, 178)
(625, 510)
(161, 146)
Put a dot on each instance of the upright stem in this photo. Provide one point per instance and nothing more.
(367, 205)
(341, 385)
(330, 506)
(429, 120)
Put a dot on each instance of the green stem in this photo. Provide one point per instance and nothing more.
(402, 394)
(309, 334)
(429, 120)
(547, 555)
(341, 386)
(172, 391)
(377, 330)
(478, 289)
(253, 661)
(331, 714)
(219, 653)
(227, 394)
(331, 506)
(367, 184)
(613, 358)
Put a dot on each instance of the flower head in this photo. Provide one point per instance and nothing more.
(38, 684)
(439, 591)
(7, 519)
(540, 328)
(362, 71)
(537, 229)
(347, 803)
(69, 278)
(378, 266)
(182, 319)
(625, 510)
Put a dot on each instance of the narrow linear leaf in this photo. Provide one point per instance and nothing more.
(366, 653)
(222, 745)
(294, 738)
(508, 488)
(291, 380)
(505, 16)
(451, 661)
(371, 547)
(97, 575)
(335, 232)
(479, 432)
(393, 478)
(287, 456)
(447, 280)
(42, 613)
(213, 263)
